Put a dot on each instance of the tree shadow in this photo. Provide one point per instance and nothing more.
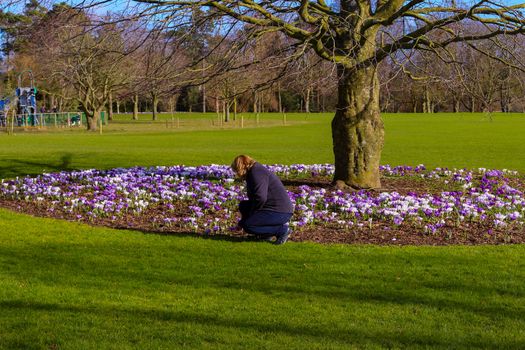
(345, 331)
(18, 167)
(433, 295)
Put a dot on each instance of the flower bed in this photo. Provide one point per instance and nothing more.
(416, 206)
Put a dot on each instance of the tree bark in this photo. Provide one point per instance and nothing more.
(203, 98)
(307, 101)
(428, 102)
(235, 108)
(92, 120)
(279, 98)
(155, 102)
(226, 109)
(318, 96)
(504, 99)
(357, 130)
(136, 107)
(110, 107)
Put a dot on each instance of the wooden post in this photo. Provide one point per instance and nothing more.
(284, 118)
(257, 119)
(100, 122)
(242, 121)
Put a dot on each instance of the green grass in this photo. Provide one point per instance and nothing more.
(446, 140)
(450, 140)
(69, 286)
(122, 146)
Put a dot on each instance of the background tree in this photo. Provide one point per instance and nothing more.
(91, 61)
(347, 33)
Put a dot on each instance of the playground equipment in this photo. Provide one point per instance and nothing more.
(4, 107)
(26, 106)
(20, 109)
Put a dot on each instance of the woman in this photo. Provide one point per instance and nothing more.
(268, 209)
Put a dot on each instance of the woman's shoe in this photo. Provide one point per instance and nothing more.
(284, 237)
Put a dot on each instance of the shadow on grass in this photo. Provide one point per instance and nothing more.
(213, 237)
(317, 183)
(18, 167)
(354, 334)
(436, 294)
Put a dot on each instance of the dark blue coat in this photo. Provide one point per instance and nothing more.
(266, 191)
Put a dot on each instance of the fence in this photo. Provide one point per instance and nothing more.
(57, 120)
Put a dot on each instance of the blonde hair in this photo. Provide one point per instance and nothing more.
(241, 164)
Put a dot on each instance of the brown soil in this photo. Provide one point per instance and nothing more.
(380, 233)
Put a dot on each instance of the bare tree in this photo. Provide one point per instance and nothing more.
(85, 58)
(163, 64)
(347, 34)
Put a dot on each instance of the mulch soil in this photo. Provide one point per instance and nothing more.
(378, 233)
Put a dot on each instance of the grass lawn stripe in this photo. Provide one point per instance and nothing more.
(84, 287)
(460, 140)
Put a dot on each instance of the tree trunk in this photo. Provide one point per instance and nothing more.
(92, 120)
(155, 102)
(226, 109)
(307, 101)
(455, 104)
(110, 107)
(279, 98)
(357, 130)
(504, 100)
(136, 107)
(235, 108)
(203, 98)
(117, 102)
(260, 99)
(428, 101)
(318, 96)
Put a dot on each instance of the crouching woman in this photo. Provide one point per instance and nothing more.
(268, 210)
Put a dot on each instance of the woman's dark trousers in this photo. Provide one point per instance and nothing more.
(263, 223)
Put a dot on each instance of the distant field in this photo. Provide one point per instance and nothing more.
(451, 140)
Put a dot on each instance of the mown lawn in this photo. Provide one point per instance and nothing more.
(69, 286)
(441, 140)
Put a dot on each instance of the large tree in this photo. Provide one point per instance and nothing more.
(356, 35)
